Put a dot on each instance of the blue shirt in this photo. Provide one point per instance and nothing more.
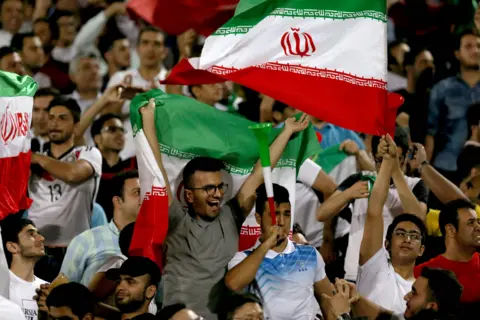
(88, 251)
(333, 135)
(447, 121)
(99, 218)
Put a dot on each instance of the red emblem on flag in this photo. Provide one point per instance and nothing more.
(13, 125)
(303, 45)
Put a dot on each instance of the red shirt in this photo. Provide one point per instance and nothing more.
(468, 274)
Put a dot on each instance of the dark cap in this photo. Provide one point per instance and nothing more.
(136, 267)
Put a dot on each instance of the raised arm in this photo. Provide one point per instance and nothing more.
(247, 192)
(364, 161)
(372, 240)
(148, 121)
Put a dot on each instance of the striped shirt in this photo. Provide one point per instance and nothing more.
(89, 251)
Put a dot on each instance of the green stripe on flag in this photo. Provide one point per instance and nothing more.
(13, 85)
(329, 158)
(249, 13)
(187, 128)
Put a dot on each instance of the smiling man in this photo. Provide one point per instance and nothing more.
(23, 246)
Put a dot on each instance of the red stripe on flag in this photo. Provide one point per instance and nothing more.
(14, 175)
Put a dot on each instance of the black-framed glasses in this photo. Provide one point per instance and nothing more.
(212, 189)
(411, 235)
(114, 129)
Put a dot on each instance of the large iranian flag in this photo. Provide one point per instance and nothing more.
(187, 129)
(327, 58)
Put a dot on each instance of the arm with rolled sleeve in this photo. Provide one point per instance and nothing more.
(436, 100)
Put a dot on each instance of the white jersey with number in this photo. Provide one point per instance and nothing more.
(63, 210)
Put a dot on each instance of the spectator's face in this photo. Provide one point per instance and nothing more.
(186, 314)
(418, 298)
(33, 55)
(12, 63)
(60, 124)
(151, 49)
(249, 310)
(468, 233)
(130, 203)
(12, 15)
(205, 204)
(471, 187)
(112, 136)
(64, 313)
(401, 158)
(87, 76)
(40, 115)
(30, 243)
(468, 54)
(119, 55)
(208, 93)
(42, 30)
(406, 243)
(132, 293)
(283, 213)
(423, 61)
(67, 29)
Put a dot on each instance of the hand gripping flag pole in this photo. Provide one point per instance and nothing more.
(261, 132)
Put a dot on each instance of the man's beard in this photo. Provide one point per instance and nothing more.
(471, 67)
(427, 314)
(132, 305)
(27, 253)
(64, 137)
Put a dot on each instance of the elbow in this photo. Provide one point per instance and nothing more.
(231, 283)
(322, 216)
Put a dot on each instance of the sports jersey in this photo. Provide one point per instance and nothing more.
(286, 281)
(63, 210)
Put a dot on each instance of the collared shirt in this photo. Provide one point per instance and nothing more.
(447, 121)
(286, 281)
(89, 251)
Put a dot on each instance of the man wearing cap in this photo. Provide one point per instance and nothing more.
(137, 281)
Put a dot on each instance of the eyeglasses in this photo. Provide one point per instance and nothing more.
(113, 129)
(212, 189)
(412, 235)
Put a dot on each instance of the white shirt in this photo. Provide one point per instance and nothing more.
(133, 78)
(9, 310)
(5, 38)
(22, 292)
(84, 104)
(378, 282)
(286, 280)
(62, 210)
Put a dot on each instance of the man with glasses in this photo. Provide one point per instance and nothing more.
(385, 274)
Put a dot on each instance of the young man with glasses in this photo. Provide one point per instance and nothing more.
(385, 274)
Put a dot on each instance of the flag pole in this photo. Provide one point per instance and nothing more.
(261, 132)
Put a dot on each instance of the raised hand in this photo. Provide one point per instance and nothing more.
(148, 109)
(276, 234)
(350, 147)
(293, 125)
(358, 190)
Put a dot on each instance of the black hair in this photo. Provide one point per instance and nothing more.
(459, 37)
(74, 296)
(449, 215)
(400, 139)
(17, 41)
(444, 289)
(125, 238)
(53, 28)
(236, 300)
(473, 117)
(118, 182)
(204, 164)
(11, 227)
(411, 56)
(280, 195)
(297, 229)
(46, 92)
(5, 51)
(149, 29)
(279, 106)
(107, 41)
(169, 311)
(98, 124)
(410, 218)
(68, 103)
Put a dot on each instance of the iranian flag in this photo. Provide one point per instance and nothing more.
(336, 163)
(16, 103)
(327, 58)
(187, 129)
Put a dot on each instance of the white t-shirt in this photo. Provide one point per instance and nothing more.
(62, 210)
(9, 310)
(286, 281)
(378, 282)
(22, 292)
(133, 78)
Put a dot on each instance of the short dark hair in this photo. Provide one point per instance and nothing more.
(204, 164)
(444, 289)
(473, 117)
(236, 300)
(449, 215)
(280, 195)
(11, 227)
(70, 104)
(411, 56)
(400, 138)
(5, 51)
(18, 40)
(459, 37)
(169, 311)
(118, 182)
(98, 124)
(46, 92)
(279, 106)
(407, 217)
(125, 238)
(149, 29)
(74, 296)
(107, 41)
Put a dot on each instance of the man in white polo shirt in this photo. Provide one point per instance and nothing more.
(385, 275)
(287, 276)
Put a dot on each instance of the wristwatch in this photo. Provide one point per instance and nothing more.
(424, 162)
